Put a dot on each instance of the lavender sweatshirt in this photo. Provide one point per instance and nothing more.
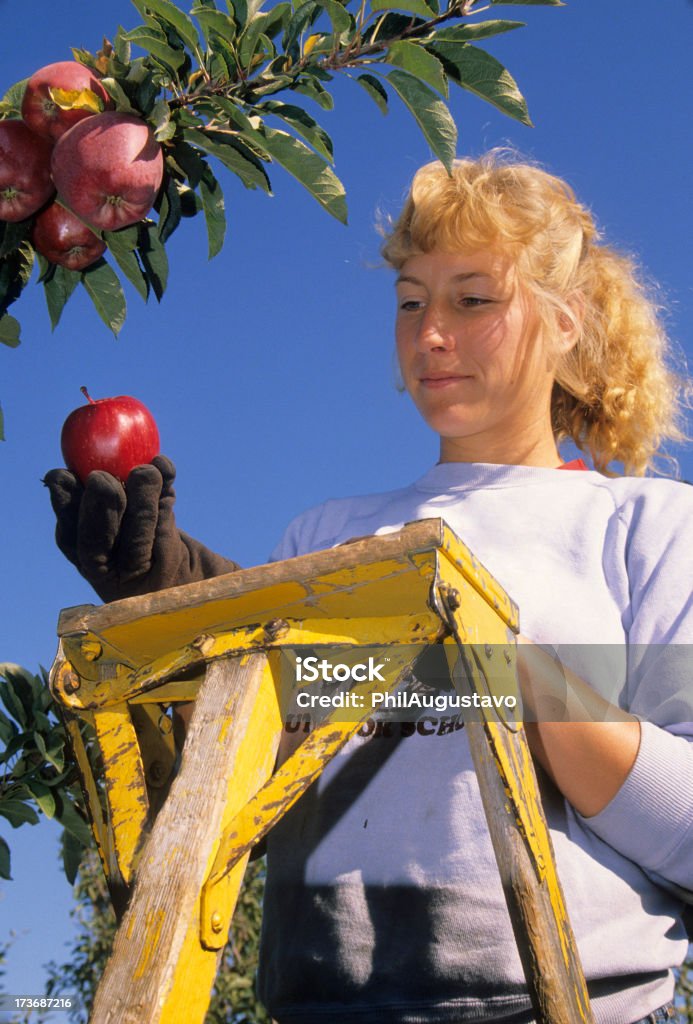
(383, 901)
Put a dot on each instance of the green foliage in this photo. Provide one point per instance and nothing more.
(35, 771)
(233, 999)
(203, 80)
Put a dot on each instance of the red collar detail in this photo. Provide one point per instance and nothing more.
(575, 464)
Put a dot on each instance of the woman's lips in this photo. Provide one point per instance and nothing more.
(439, 382)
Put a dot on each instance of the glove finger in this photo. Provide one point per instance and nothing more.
(165, 467)
(168, 494)
(143, 488)
(66, 495)
(167, 549)
(100, 516)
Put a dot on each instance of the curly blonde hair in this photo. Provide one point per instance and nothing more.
(615, 394)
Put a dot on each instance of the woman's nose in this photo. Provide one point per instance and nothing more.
(434, 332)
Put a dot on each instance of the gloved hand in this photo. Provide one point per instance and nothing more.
(124, 540)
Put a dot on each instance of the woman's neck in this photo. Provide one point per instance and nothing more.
(520, 451)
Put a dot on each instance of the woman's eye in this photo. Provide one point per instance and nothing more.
(475, 300)
(410, 305)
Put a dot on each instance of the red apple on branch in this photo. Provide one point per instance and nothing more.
(113, 434)
(108, 169)
(77, 83)
(25, 171)
(62, 238)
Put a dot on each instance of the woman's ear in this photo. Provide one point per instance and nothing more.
(570, 325)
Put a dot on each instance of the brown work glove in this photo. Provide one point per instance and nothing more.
(124, 540)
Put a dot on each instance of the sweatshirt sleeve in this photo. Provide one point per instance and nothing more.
(650, 819)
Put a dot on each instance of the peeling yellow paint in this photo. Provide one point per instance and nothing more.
(152, 932)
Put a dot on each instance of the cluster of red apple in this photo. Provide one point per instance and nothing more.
(106, 167)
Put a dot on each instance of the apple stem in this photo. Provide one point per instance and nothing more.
(87, 395)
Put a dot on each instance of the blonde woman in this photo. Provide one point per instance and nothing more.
(516, 329)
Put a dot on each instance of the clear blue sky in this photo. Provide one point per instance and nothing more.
(270, 369)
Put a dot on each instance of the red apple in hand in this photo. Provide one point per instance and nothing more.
(114, 434)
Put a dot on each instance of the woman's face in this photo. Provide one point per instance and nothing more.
(473, 359)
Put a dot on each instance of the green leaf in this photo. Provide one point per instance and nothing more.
(43, 797)
(13, 747)
(302, 123)
(154, 259)
(56, 757)
(160, 119)
(104, 290)
(9, 331)
(11, 103)
(5, 861)
(389, 25)
(215, 216)
(151, 41)
(430, 113)
(173, 16)
(171, 208)
(7, 728)
(123, 245)
(73, 823)
(84, 57)
(20, 681)
(73, 853)
(375, 90)
(28, 255)
(418, 62)
(251, 37)
(480, 30)
(480, 73)
(15, 271)
(309, 86)
(308, 168)
(417, 7)
(58, 287)
(301, 20)
(242, 11)
(233, 154)
(146, 87)
(18, 813)
(11, 697)
(341, 20)
(220, 107)
(279, 17)
(121, 46)
(223, 62)
(40, 744)
(189, 161)
(118, 95)
(12, 235)
(215, 23)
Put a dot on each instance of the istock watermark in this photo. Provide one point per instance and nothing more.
(529, 683)
(350, 683)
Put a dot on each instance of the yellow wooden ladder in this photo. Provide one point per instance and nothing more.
(174, 833)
